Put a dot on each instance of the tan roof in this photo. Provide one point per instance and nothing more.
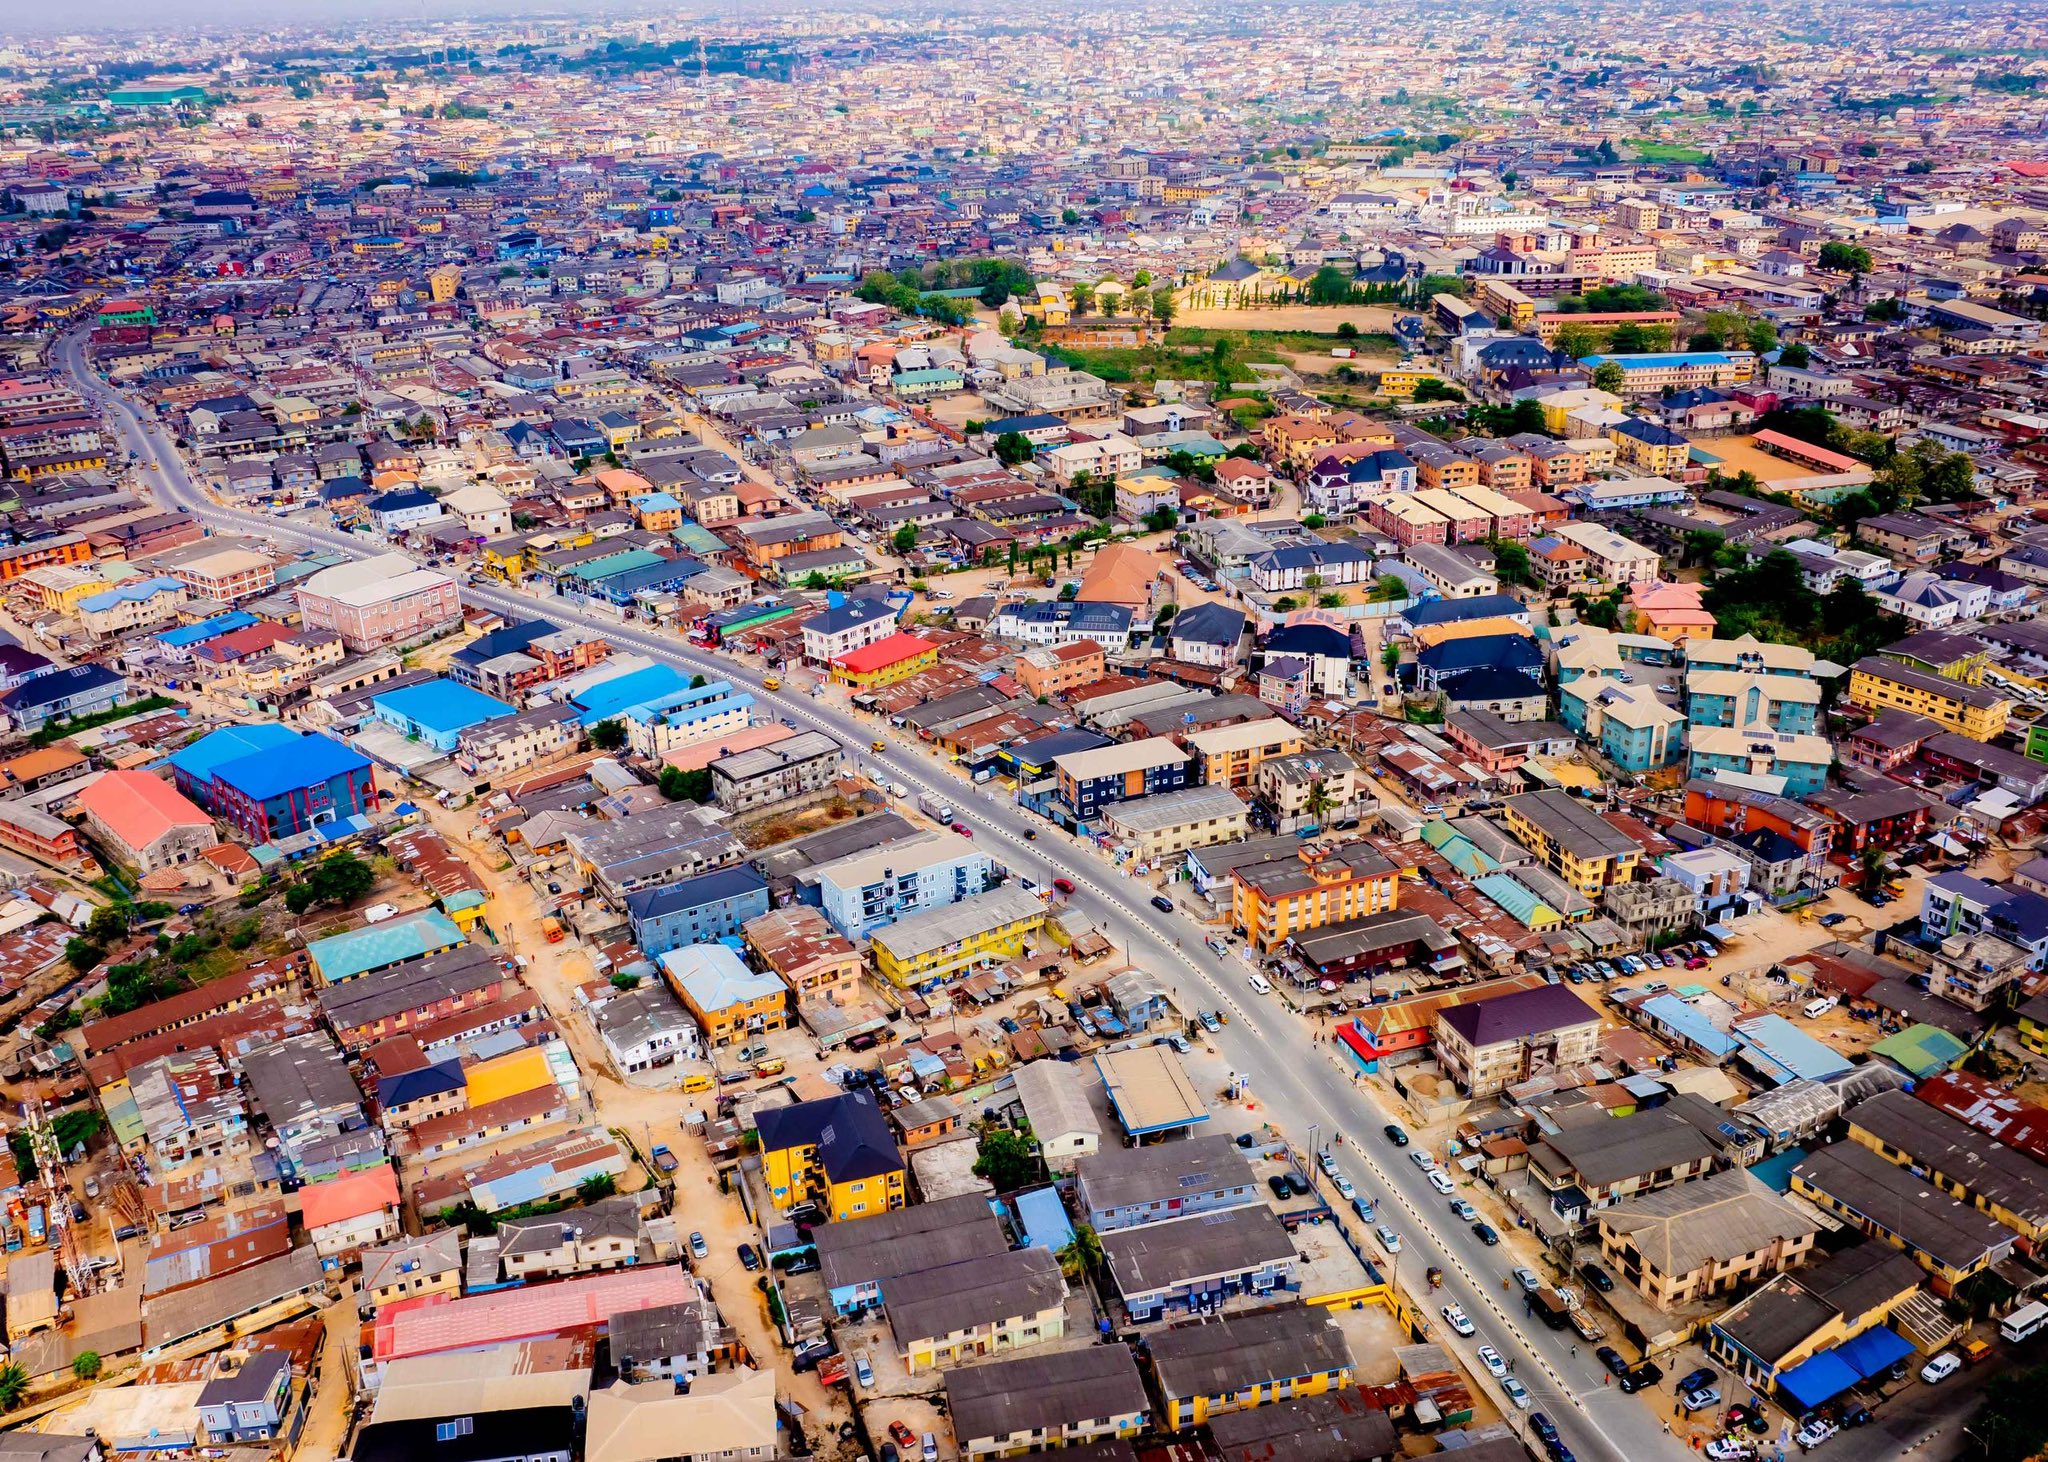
(728, 1412)
(1121, 574)
(1687, 1227)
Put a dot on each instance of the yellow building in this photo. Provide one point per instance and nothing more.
(1956, 1158)
(1242, 1361)
(1399, 382)
(1879, 684)
(728, 1001)
(981, 929)
(1574, 842)
(885, 662)
(1269, 902)
(2033, 1025)
(1229, 755)
(512, 1074)
(443, 282)
(836, 1152)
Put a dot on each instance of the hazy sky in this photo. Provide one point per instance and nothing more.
(215, 15)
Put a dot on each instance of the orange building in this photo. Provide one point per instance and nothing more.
(1057, 669)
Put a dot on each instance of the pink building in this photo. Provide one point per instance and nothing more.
(381, 601)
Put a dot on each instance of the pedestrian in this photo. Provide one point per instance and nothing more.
(1667, 1428)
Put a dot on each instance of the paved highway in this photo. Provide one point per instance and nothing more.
(1295, 1083)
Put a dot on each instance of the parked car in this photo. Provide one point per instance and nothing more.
(1699, 1380)
(1726, 1449)
(1210, 1023)
(698, 1248)
(1814, 1433)
(1463, 1211)
(863, 1372)
(1441, 1181)
(1597, 1277)
(1486, 1233)
(1278, 1183)
(1609, 1357)
(1395, 1135)
(1297, 1184)
(1364, 1209)
(1751, 1418)
(1458, 1320)
(1490, 1358)
(1642, 1377)
(1529, 1279)
(749, 1260)
(902, 1434)
(1941, 1368)
(1701, 1399)
(1516, 1392)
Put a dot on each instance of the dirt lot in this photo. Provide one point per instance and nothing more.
(1324, 319)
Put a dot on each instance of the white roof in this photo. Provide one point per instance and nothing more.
(376, 580)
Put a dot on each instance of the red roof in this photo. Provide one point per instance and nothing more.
(435, 1323)
(139, 807)
(882, 654)
(340, 1199)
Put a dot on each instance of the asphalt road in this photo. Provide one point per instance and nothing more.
(1295, 1084)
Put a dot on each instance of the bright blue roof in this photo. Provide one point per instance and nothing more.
(1043, 1219)
(1784, 1052)
(1874, 1352)
(207, 629)
(216, 749)
(442, 705)
(1823, 1378)
(134, 591)
(635, 687)
(310, 762)
(1690, 1024)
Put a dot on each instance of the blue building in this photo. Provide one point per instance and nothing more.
(76, 690)
(436, 711)
(864, 891)
(696, 910)
(1801, 759)
(271, 781)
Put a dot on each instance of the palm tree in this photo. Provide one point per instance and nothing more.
(1318, 801)
(13, 1386)
(1076, 1259)
(1876, 866)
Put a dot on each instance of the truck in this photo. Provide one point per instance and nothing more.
(935, 807)
(1545, 1305)
(663, 1158)
(37, 1233)
(551, 927)
(1589, 1328)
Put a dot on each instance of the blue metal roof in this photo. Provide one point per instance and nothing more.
(206, 629)
(285, 767)
(442, 705)
(1823, 1378)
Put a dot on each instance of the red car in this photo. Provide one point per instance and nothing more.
(902, 1435)
(1064, 885)
(963, 829)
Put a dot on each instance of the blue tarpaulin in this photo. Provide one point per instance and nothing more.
(1823, 1378)
(1874, 1351)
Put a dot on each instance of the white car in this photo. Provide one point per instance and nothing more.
(1327, 1161)
(1463, 1211)
(1727, 1449)
(1516, 1392)
(1389, 1240)
(863, 1372)
(1941, 1367)
(1529, 1279)
(1441, 1181)
(1422, 1160)
(1490, 1358)
(1344, 1188)
(1458, 1320)
(1814, 1432)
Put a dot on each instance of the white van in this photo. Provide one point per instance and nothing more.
(1261, 984)
(1815, 1009)
(2024, 1321)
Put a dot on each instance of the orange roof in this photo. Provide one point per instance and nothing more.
(1659, 595)
(139, 807)
(1121, 574)
(698, 755)
(339, 1199)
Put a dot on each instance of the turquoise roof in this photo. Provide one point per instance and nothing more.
(373, 947)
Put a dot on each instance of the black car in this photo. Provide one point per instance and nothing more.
(1698, 1380)
(1030, 834)
(1297, 1184)
(1597, 1277)
(1543, 1426)
(749, 1260)
(1278, 1183)
(1245, 1139)
(1395, 1135)
(1609, 1357)
(1488, 1235)
(1641, 1378)
(1162, 903)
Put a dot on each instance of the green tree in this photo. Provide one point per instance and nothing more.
(1084, 298)
(82, 954)
(1429, 388)
(1330, 285)
(1511, 564)
(1346, 330)
(86, 1365)
(1760, 336)
(1013, 449)
(904, 540)
(13, 1386)
(1007, 1158)
(1083, 1253)
(1796, 354)
(1844, 258)
(595, 1187)
(679, 785)
(1610, 377)
(1161, 518)
(608, 735)
(1164, 305)
(1578, 341)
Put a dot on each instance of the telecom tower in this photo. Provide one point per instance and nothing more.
(42, 1142)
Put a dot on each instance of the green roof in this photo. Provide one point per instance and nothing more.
(1922, 1050)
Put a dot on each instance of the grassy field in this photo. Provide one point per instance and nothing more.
(1314, 342)
(1313, 319)
(1650, 151)
(1192, 353)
